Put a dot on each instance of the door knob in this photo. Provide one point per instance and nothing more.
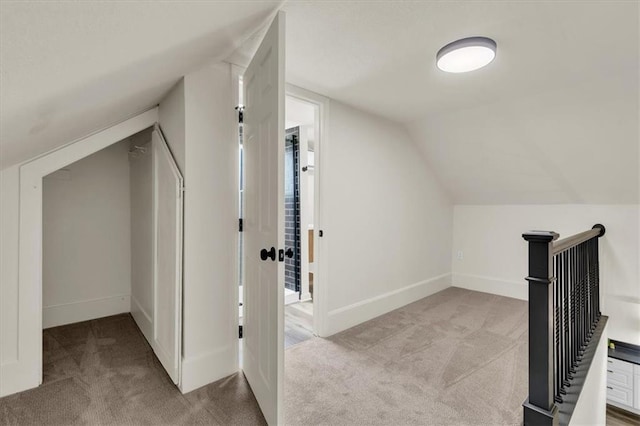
(289, 253)
(265, 254)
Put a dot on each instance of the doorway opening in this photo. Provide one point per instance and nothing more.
(302, 129)
(112, 255)
(303, 135)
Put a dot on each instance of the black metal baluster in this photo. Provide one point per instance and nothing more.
(563, 320)
(570, 298)
(583, 299)
(597, 275)
(588, 282)
(579, 304)
(585, 282)
(587, 293)
(567, 317)
(579, 316)
(574, 326)
(556, 332)
(594, 278)
(583, 328)
(594, 295)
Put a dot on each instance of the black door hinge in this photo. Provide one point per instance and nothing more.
(240, 225)
(240, 332)
(240, 110)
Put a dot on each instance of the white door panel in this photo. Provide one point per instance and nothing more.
(167, 324)
(263, 327)
(164, 333)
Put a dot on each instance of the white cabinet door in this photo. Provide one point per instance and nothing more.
(263, 145)
(636, 388)
(620, 395)
(620, 379)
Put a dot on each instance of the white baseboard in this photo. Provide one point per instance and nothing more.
(346, 317)
(142, 319)
(17, 377)
(208, 368)
(514, 289)
(68, 313)
(291, 296)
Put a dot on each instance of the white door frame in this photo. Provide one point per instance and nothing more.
(30, 235)
(320, 246)
(320, 301)
(304, 210)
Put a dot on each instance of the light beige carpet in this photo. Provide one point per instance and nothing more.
(457, 357)
(103, 372)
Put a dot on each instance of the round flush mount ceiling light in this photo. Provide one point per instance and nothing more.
(467, 54)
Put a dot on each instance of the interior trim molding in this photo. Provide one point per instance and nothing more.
(500, 287)
(141, 318)
(207, 368)
(349, 316)
(30, 312)
(84, 310)
(13, 376)
(321, 277)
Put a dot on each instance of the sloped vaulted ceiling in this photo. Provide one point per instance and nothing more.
(563, 129)
(554, 119)
(70, 68)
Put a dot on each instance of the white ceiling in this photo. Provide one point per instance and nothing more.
(380, 56)
(70, 68)
(578, 145)
(553, 119)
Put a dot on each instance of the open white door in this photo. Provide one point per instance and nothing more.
(263, 328)
(167, 292)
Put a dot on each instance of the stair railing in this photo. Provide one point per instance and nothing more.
(565, 322)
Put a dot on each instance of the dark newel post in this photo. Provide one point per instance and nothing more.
(540, 409)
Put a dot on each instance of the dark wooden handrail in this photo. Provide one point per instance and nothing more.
(572, 241)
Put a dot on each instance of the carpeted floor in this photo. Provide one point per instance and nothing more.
(103, 372)
(457, 357)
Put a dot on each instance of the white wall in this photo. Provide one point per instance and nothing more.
(210, 298)
(86, 239)
(574, 145)
(142, 247)
(495, 255)
(172, 122)
(388, 223)
(310, 186)
(9, 220)
(591, 408)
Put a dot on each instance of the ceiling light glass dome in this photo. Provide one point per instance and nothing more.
(467, 54)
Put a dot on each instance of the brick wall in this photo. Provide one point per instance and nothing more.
(292, 209)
